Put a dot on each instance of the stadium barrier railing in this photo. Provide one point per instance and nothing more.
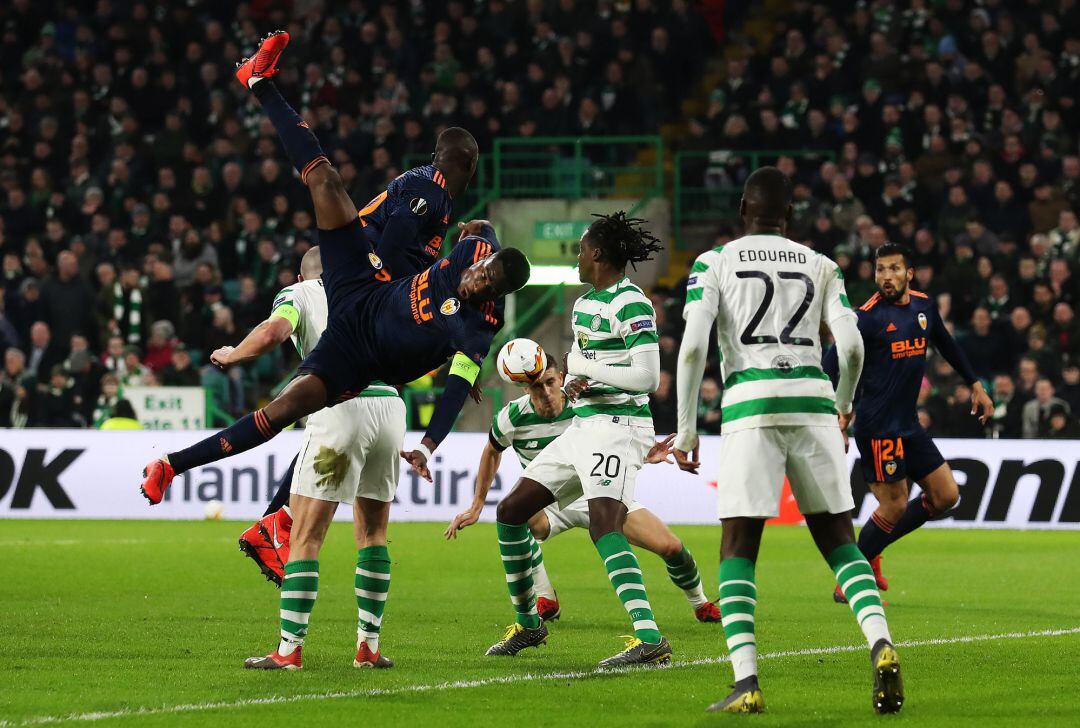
(707, 184)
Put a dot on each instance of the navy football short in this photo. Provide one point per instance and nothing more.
(351, 273)
(895, 457)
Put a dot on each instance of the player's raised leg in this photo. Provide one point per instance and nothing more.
(333, 206)
(511, 527)
(645, 530)
(304, 395)
(300, 585)
(372, 583)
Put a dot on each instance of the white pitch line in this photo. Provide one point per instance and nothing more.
(505, 680)
(72, 542)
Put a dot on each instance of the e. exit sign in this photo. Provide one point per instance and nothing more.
(555, 242)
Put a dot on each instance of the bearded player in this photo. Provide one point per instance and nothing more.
(896, 325)
(528, 425)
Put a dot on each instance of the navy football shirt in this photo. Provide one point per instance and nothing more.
(896, 337)
(411, 326)
(406, 224)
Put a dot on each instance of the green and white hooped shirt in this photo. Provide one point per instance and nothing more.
(518, 426)
(303, 305)
(769, 296)
(610, 326)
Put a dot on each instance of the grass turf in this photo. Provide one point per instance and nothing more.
(114, 617)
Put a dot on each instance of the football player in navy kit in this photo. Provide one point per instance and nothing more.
(897, 325)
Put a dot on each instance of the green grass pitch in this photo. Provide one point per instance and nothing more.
(142, 624)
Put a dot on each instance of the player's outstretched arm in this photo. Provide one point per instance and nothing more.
(692, 354)
(463, 373)
(946, 345)
(490, 460)
(643, 374)
(264, 338)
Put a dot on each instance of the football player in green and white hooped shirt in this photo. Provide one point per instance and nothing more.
(613, 366)
(768, 297)
(528, 425)
(349, 454)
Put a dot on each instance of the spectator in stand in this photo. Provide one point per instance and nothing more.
(160, 345)
(985, 349)
(135, 372)
(709, 416)
(663, 405)
(106, 402)
(16, 385)
(54, 403)
(123, 418)
(1065, 238)
(1036, 414)
(1061, 425)
(1008, 419)
(44, 354)
(69, 302)
(180, 372)
(1070, 385)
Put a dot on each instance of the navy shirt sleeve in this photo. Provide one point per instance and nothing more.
(947, 347)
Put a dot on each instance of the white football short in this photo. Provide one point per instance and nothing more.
(596, 457)
(575, 515)
(352, 451)
(753, 463)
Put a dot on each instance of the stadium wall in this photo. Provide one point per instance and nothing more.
(1023, 484)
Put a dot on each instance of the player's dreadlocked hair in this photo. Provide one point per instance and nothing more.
(622, 240)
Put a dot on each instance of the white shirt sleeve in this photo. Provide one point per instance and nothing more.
(702, 306)
(643, 374)
(850, 352)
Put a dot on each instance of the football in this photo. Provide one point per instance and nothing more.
(214, 510)
(521, 361)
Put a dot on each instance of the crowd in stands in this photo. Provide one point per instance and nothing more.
(949, 127)
(147, 212)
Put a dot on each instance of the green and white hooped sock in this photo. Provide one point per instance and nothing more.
(299, 589)
(624, 572)
(516, 552)
(856, 580)
(683, 572)
(372, 587)
(541, 583)
(738, 600)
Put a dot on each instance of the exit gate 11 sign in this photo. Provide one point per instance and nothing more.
(555, 242)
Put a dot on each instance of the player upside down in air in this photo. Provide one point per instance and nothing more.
(768, 297)
(405, 225)
(896, 325)
(528, 425)
(377, 329)
(614, 365)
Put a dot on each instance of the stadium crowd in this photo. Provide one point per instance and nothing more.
(949, 127)
(147, 215)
